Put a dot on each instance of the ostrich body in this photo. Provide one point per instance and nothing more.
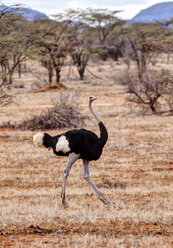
(77, 144)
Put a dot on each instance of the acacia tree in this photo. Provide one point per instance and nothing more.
(80, 57)
(145, 41)
(83, 50)
(53, 43)
(39, 51)
(14, 46)
(79, 40)
(76, 33)
(167, 39)
(103, 21)
(15, 43)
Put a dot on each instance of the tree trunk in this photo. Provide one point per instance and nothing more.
(10, 78)
(50, 75)
(19, 70)
(81, 73)
(153, 109)
(58, 75)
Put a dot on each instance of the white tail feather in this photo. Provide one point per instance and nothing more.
(38, 139)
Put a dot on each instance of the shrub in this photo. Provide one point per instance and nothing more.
(150, 90)
(64, 113)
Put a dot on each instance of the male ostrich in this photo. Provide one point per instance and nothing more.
(77, 144)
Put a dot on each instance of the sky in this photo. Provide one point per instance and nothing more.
(128, 8)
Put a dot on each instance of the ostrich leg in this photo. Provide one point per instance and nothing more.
(71, 160)
(87, 177)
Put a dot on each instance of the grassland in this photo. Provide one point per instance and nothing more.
(135, 172)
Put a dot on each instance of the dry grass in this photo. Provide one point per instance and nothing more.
(135, 172)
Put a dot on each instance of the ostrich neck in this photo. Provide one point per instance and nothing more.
(92, 112)
(103, 131)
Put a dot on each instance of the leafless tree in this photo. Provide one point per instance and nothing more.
(148, 90)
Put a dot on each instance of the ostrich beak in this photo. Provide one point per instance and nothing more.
(92, 98)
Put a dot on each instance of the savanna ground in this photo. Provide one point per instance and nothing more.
(135, 172)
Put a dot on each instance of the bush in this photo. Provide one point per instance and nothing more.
(64, 113)
(153, 91)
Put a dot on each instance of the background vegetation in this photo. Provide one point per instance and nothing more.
(78, 36)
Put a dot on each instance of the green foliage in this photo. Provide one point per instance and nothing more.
(103, 21)
(52, 45)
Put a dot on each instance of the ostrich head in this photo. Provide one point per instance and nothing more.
(92, 98)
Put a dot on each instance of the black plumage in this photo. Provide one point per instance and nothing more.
(81, 141)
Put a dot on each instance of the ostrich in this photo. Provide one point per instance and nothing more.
(76, 144)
